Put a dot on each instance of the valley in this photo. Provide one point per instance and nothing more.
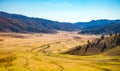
(59, 35)
(44, 52)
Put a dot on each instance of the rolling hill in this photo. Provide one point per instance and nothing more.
(21, 23)
(96, 23)
(106, 29)
(100, 27)
(30, 24)
(110, 45)
(8, 25)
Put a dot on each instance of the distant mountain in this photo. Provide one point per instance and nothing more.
(99, 27)
(106, 29)
(20, 23)
(7, 24)
(107, 46)
(95, 23)
(12, 25)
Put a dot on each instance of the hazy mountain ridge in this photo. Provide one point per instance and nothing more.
(37, 24)
(100, 27)
(106, 29)
(30, 24)
(7, 25)
(95, 23)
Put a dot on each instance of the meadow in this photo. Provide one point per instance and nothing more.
(44, 52)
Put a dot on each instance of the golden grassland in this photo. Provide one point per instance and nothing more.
(40, 52)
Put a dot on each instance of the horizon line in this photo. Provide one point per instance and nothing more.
(57, 20)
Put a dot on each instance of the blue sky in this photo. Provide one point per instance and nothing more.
(64, 10)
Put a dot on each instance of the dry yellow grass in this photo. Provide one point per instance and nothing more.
(39, 52)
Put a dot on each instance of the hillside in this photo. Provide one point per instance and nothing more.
(12, 25)
(109, 44)
(33, 24)
(102, 26)
(106, 29)
(95, 23)
(8, 25)
(21, 23)
(112, 52)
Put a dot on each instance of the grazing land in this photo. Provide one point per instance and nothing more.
(43, 52)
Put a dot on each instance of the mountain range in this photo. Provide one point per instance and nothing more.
(20, 23)
(100, 27)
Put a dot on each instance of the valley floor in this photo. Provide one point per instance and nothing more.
(40, 52)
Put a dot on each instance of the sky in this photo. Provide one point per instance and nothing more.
(64, 10)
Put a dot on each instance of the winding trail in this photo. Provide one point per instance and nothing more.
(42, 48)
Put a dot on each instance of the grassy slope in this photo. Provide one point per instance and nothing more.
(110, 45)
(28, 54)
(113, 52)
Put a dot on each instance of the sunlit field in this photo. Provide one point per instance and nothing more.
(44, 52)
